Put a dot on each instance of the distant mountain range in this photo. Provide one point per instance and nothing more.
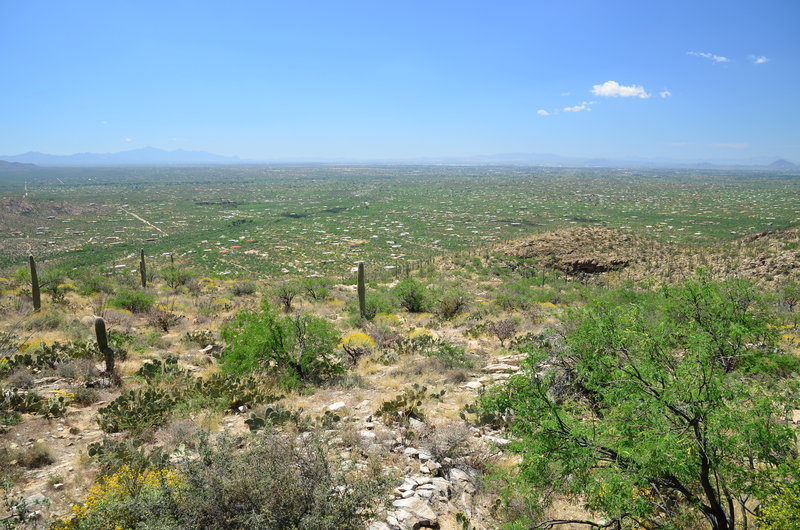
(150, 156)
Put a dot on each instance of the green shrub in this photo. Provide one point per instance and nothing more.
(448, 356)
(95, 283)
(413, 295)
(654, 395)
(133, 301)
(451, 303)
(274, 482)
(318, 289)
(175, 276)
(298, 348)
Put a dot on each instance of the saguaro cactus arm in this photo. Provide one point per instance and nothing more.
(362, 292)
(35, 292)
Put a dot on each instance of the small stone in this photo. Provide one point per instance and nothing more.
(333, 407)
(58, 486)
(36, 498)
(474, 385)
(379, 525)
(410, 451)
(367, 435)
(415, 424)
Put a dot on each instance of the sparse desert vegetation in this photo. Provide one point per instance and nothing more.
(603, 348)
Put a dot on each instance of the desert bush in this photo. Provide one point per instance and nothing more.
(413, 295)
(284, 293)
(21, 378)
(39, 454)
(356, 345)
(244, 288)
(282, 482)
(175, 276)
(77, 369)
(318, 289)
(93, 283)
(451, 303)
(85, 396)
(44, 321)
(133, 301)
(163, 320)
(385, 336)
(298, 348)
(503, 329)
(448, 444)
(447, 356)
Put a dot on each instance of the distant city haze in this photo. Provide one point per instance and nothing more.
(542, 83)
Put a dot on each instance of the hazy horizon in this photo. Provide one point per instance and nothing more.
(682, 82)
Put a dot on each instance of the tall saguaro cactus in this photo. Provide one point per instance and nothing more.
(102, 343)
(362, 292)
(35, 292)
(143, 269)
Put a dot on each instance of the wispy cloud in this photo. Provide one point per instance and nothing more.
(714, 58)
(759, 60)
(580, 108)
(732, 146)
(665, 94)
(612, 89)
(542, 112)
(128, 140)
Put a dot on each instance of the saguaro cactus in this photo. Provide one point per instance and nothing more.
(143, 269)
(362, 292)
(35, 293)
(102, 343)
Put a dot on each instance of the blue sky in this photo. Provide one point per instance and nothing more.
(278, 80)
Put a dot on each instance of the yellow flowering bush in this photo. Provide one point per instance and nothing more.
(358, 339)
(387, 319)
(110, 503)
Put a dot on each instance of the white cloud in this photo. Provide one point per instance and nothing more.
(612, 89)
(714, 58)
(665, 94)
(542, 112)
(128, 140)
(759, 60)
(579, 108)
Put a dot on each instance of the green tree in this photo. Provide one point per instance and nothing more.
(299, 348)
(656, 412)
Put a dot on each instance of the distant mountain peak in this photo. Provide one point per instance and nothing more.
(782, 163)
(135, 157)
